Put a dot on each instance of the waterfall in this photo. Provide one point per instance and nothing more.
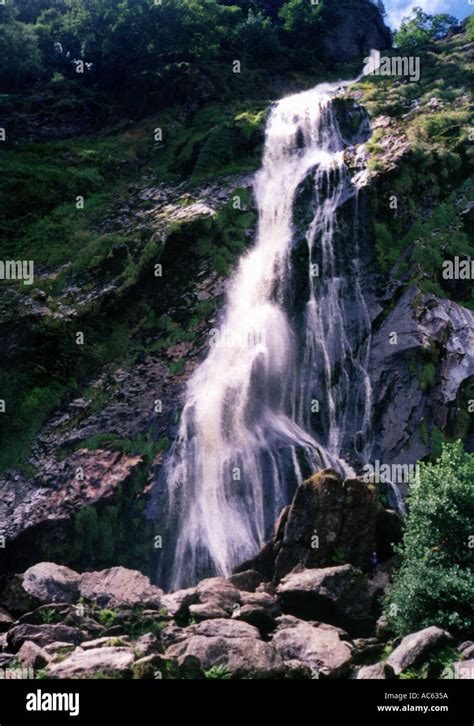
(284, 385)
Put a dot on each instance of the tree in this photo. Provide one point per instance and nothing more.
(257, 39)
(435, 582)
(421, 30)
(20, 59)
(30, 10)
(304, 23)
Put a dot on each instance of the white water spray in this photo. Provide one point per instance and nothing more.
(248, 426)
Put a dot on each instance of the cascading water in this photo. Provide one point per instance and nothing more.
(278, 391)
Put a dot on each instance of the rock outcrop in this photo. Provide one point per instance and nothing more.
(337, 595)
(119, 586)
(328, 520)
(317, 648)
(401, 404)
(359, 29)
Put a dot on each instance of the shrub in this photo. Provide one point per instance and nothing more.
(435, 582)
(218, 672)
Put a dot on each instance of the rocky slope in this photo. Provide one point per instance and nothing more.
(103, 448)
(318, 619)
(81, 495)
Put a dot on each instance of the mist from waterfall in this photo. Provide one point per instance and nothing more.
(277, 390)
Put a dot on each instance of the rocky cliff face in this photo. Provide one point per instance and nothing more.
(91, 467)
(360, 29)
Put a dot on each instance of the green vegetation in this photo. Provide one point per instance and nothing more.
(49, 616)
(218, 672)
(438, 665)
(138, 623)
(86, 88)
(421, 30)
(432, 183)
(152, 50)
(107, 617)
(434, 583)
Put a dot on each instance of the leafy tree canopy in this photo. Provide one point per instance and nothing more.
(435, 582)
(421, 29)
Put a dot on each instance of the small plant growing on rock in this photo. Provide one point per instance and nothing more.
(107, 617)
(218, 672)
(49, 616)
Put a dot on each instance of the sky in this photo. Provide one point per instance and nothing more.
(397, 9)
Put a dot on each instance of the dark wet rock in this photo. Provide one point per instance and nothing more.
(32, 509)
(327, 517)
(414, 647)
(337, 595)
(360, 27)
(389, 532)
(248, 581)
(257, 616)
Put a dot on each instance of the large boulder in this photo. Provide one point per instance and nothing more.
(217, 598)
(233, 645)
(320, 648)
(47, 583)
(416, 646)
(337, 595)
(119, 586)
(31, 655)
(327, 518)
(43, 635)
(248, 581)
(177, 603)
(88, 663)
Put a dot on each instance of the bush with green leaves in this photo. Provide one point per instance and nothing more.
(420, 30)
(435, 581)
